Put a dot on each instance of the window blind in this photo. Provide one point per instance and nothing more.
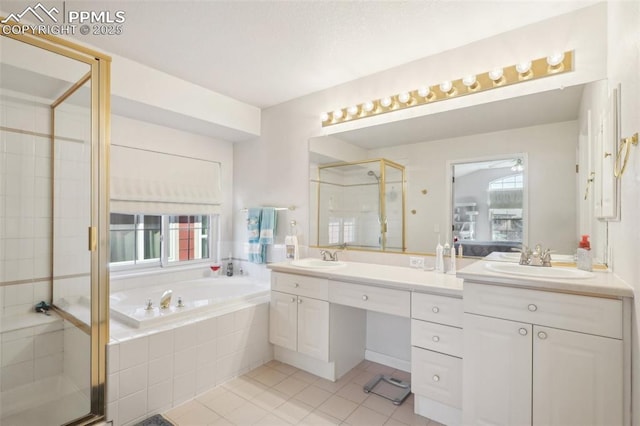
(149, 182)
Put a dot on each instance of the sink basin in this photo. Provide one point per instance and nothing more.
(538, 272)
(316, 263)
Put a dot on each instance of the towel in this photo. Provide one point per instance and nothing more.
(255, 249)
(267, 225)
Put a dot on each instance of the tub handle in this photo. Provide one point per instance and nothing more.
(149, 306)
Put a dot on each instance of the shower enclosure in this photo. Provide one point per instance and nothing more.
(361, 205)
(54, 99)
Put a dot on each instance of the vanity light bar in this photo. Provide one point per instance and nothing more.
(557, 63)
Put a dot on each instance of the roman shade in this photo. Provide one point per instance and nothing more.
(149, 182)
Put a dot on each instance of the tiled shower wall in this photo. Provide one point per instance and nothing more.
(25, 205)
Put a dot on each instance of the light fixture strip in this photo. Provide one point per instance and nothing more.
(540, 68)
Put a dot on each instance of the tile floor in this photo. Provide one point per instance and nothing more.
(279, 394)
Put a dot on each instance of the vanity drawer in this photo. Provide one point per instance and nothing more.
(585, 314)
(300, 285)
(440, 309)
(436, 376)
(385, 300)
(437, 337)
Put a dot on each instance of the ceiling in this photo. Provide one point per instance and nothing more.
(267, 52)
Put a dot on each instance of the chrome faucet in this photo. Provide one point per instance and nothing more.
(165, 300)
(328, 256)
(537, 257)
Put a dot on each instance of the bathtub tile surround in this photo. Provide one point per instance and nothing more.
(279, 394)
(152, 370)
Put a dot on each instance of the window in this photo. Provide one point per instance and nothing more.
(508, 182)
(154, 240)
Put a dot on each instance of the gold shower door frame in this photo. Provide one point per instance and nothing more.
(98, 235)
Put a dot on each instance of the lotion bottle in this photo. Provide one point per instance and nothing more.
(439, 257)
(584, 256)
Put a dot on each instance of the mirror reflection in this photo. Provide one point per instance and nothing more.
(488, 205)
(361, 205)
(550, 135)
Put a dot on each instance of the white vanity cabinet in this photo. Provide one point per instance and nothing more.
(309, 332)
(298, 321)
(536, 357)
(436, 356)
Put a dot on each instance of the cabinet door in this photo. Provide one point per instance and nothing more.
(313, 328)
(283, 321)
(577, 379)
(496, 371)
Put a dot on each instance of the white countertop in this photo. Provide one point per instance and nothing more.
(603, 283)
(383, 275)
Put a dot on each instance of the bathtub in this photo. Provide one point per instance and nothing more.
(201, 297)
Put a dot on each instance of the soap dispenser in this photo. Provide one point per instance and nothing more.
(439, 257)
(584, 256)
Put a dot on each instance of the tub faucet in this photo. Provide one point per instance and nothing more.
(165, 300)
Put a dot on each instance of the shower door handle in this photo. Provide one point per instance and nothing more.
(93, 238)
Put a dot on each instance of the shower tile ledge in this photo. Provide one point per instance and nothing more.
(34, 319)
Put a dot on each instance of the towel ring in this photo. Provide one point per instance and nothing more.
(625, 142)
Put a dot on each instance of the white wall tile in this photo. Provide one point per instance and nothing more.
(226, 324)
(134, 352)
(160, 395)
(184, 387)
(49, 343)
(161, 344)
(16, 375)
(113, 358)
(206, 377)
(17, 351)
(48, 366)
(207, 330)
(160, 369)
(206, 353)
(132, 407)
(184, 361)
(186, 337)
(113, 387)
(133, 380)
(112, 413)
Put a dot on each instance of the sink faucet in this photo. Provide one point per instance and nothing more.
(165, 300)
(329, 256)
(537, 257)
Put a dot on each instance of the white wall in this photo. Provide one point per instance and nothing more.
(623, 67)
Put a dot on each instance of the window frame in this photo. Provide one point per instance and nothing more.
(163, 262)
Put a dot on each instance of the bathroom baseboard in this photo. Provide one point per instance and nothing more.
(398, 364)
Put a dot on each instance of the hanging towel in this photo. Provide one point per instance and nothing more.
(267, 225)
(254, 249)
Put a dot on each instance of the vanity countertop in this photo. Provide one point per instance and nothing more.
(603, 283)
(383, 275)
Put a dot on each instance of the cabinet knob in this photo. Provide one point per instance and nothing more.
(436, 378)
(299, 301)
(542, 335)
(365, 297)
(293, 299)
(435, 309)
(296, 285)
(523, 331)
(435, 338)
(532, 307)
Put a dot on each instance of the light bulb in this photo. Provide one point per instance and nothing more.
(337, 114)
(446, 86)
(404, 97)
(496, 74)
(324, 117)
(368, 106)
(523, 67)
(555, 59)
(469, 80)
(352, 110)
(385, 102)
(424, 91)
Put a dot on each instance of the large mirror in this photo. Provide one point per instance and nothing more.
(520, 167)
